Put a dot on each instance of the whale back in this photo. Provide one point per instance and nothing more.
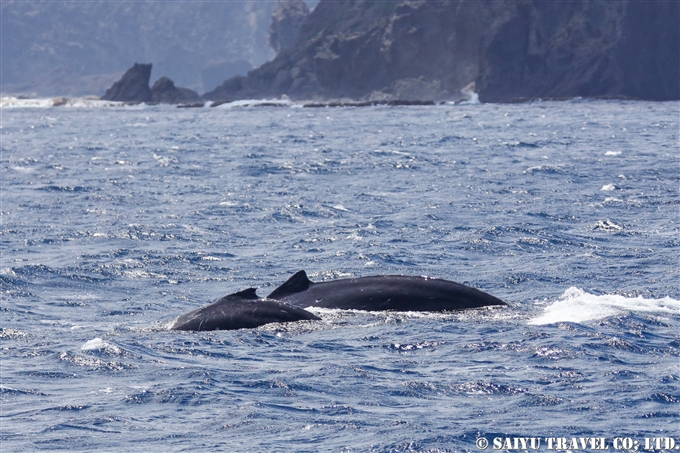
(382, 292)
(240, 310)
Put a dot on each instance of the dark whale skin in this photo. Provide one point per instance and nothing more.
(242, 310)
(382, 292)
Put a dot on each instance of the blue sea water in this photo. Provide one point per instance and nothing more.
(116, 220)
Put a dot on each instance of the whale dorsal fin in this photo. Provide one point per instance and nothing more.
(297, 283)
(249, 293)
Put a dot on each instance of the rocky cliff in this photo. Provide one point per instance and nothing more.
(287, 20)
(583, 48)
(423, 49)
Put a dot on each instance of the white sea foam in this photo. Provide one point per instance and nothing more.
(210, 258)
(469, 91)
(608, 187)
(97, 344)
(474, 99)
(354, 236)
(138, 273)
(8, 271)
(576, 305)
(87, 102)
(23, 169)
(607, 225)
(255, 102)
(164, 161)
(12, 102)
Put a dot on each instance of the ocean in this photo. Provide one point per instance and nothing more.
(118, 219)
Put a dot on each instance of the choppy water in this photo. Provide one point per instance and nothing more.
(117, 220)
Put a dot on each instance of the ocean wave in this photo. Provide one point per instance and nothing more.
(576, 305)
(87, 102)
(254, 103)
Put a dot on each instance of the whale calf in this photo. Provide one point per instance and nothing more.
(241, 310)
(382, 292)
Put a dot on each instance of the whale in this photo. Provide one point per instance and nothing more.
(287, 303)
(382, 292)
(241, 310)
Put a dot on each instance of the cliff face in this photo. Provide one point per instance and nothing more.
(648, 54)
(287, 19)
(587, 48)
(364, 49)
(423, 49)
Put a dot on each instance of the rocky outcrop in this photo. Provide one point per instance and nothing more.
(133, 86)
(164, 91)
(287, 19)
(420, 49)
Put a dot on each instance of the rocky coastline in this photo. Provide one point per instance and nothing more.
(359, 52)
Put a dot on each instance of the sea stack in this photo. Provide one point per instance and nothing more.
(133, 86)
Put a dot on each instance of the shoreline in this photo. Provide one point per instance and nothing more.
(94, 101)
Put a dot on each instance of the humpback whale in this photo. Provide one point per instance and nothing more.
(382, 292)
(241, 310)
(244, 309)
